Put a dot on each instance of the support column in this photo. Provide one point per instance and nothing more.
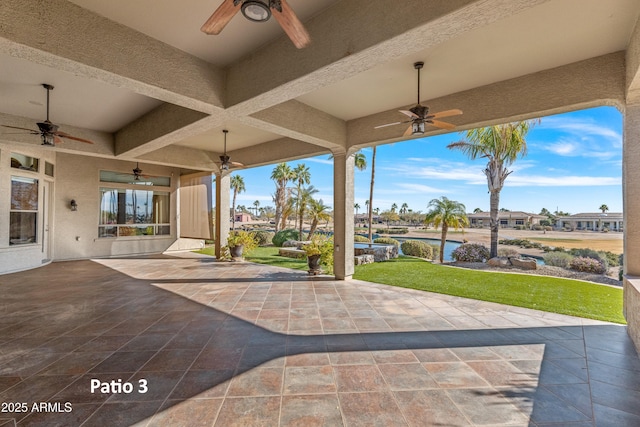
(223, 206)
(631, 220)
(343, 167)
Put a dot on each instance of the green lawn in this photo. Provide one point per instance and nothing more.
(556, 295)
(564, 296)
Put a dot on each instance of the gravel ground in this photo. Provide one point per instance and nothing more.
(544, 270)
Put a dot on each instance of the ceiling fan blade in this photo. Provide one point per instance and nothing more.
(409, 131)
(388, 124)
(442, 125)
(57, 140)
(448, 113)
(16, 127)
(410, 114)
(237, 164)
(292, 25)
(75, 138)
(221, 17)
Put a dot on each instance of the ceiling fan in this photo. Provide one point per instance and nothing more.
(137, 173)
(225, 161)
(259, 11)
(420, 117)
(48, 131)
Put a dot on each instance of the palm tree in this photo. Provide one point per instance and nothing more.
(301, 200)
(447, 213)
(301, 176)
(237, 185)
(478, 210)
(360, 161)
(394, 207)
(604, 208)
(256, 204)
(373, 174)
(356, 207)
(281, 174)
(404, 208)
(318, 211)
(502, 145)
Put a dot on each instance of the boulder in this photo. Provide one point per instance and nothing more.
(363, 259)
(499, 262)
(524, 263)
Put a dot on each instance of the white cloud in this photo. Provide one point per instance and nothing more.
(321, 161)
(563, 148)
(582, 128)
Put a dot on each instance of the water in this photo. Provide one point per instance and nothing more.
(449, 246)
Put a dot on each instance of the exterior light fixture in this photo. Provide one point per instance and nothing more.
(417, 128)
(256, 10)
(73, 205)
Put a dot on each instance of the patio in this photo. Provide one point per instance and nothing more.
(243, 344)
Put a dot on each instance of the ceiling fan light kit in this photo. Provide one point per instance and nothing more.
(256, 11)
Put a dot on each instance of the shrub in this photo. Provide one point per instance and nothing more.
(417, 248)
(588, 265)
(614, 260)
(387, 241)
(590, 253)
(392, 230)
(507, 252)
(283, 235)
(471, 252)
(263, 237)
(360, 239)
(558, 259)
(436, 250)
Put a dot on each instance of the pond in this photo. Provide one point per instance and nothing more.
(449, 246)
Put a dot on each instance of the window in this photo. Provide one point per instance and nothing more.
(23, 216)
(20, 161)
(504, 222)
(519, 221)
(133, 212)
(48, 169)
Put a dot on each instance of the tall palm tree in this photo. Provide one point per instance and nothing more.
(404, 208)
(447, 213)
(394, 207)
(318, 211)
(373, 175)
(604, 208)
(303, 196)
(237, 185)
(502, 145)
(281, 174)
(360, 161)
(301, 176)
(356, 207)
(256, 205)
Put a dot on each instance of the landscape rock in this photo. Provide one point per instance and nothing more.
(499, 262)
(524, 263)
(364, 259)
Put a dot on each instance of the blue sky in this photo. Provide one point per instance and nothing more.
(574, 164)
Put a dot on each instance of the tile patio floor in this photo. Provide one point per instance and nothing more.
(248, 345)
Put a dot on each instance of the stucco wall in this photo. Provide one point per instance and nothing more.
(76, 233)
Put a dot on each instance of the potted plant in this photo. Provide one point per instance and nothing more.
(240, 242)
(319, 253)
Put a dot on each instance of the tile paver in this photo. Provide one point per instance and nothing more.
(223, 344)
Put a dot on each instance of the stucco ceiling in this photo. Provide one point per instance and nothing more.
(341, 76)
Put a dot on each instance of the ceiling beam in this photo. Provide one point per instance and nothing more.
(183, 157)
(351, 37)
(276, 151)
(62, 35)
(589, 83)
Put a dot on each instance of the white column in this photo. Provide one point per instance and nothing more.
(343, 169)
(223, 205)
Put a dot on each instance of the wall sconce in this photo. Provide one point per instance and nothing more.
(73, 205)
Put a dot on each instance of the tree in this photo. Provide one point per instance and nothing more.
(356, 207)
(318, 211)
(388, 216)
(404, 208)
(394, 207)
(373, 175)
(447, 213)
(501, 145)
(301, 201)
(301, 176)
(604, 208)
(256, 205)
(281, 174)
(237, 185)
(477, 210)
(360, 161)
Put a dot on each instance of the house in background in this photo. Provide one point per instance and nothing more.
(507, 219)
(591, 221)
(243, 217)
